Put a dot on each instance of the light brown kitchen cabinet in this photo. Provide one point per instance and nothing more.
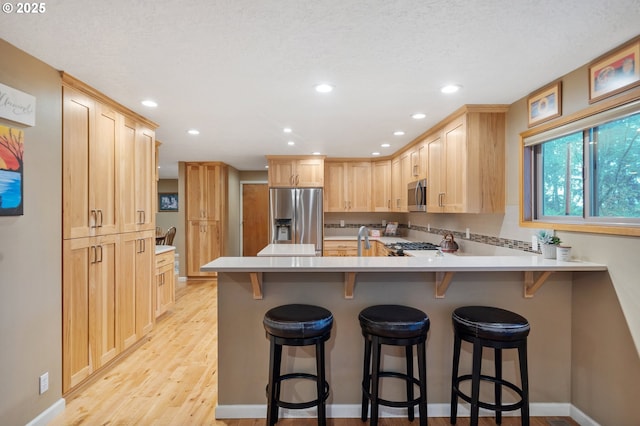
(89, 305)
(89, 140)
(165, 282)
(204, 190)
(400, 178)
(204, 244)
(287, 171)
(466, 162)
(348, 186)
(107, 201)
(381, 186)
(346, 248)
(418, 161)
(207, 192)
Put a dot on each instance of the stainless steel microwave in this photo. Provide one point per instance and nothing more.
(417, 196)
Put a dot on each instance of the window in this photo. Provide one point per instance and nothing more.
(586, 172)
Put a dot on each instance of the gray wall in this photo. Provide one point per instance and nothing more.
(30, 251)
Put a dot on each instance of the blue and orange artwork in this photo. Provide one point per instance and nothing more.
(11, 168)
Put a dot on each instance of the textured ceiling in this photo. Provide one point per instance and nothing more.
(241, 70)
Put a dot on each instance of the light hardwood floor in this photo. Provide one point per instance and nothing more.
(172, 378)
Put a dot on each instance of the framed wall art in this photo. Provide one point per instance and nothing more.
(11, 171)
(168, 202)
(545, 104)
(614, 73)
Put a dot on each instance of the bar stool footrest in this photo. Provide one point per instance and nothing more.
(395, 404)
(299, 405)
(494, 407)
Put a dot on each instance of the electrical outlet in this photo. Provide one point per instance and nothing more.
(468, 235)
(409, 224)
(342, 224)
(44, 383)
(428, 227)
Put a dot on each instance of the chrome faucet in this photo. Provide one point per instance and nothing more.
(363, 231)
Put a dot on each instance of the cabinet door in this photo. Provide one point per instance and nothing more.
(144, 178)
(102, 300)
(396, 184)
(128, 216)
(204, 190)
(335, 199)
(436, 177)
(358, 186)
(126, 290)
(456, 166)
(78, 127)
(309, 173)
(145, 288)
(281, 173)
(203, 246)
(165, 293)
(381, 186)
(77, 362)
(103, 182)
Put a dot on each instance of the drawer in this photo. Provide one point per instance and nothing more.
(165, 258)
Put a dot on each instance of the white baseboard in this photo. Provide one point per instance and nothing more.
(49, 414)
(348, 411)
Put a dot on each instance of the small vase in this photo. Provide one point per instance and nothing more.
(548, 251)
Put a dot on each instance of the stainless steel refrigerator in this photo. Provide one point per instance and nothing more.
(296, 216)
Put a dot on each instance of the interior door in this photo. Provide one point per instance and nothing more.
(255, 218)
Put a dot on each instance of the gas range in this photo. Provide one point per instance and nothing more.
(398, 249)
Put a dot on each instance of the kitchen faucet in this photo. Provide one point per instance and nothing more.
(363, 231)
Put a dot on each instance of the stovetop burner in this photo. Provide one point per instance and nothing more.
(397, 249)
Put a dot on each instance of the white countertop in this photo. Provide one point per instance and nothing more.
(423, 263)
(163, 248)
(288, 250)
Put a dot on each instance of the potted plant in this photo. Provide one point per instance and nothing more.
(548, 243)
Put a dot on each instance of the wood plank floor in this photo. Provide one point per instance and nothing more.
(172, 378)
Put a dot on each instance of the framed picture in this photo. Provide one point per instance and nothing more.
(545, 104)
(168, 202)
(614, 73)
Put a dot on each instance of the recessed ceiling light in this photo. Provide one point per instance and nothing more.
(315, 153)
(375, 153)
(193, 132)
(291, 143)
(385, 145)
(266, 167)
(287, 130)
(149, 103)
(398, 133)
(323, 88)
(450, 88)
(418, 115)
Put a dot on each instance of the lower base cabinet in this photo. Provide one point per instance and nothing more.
(107, 303)
(346, 248)
(165, 282)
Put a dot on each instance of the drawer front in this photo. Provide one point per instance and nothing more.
(165, 258)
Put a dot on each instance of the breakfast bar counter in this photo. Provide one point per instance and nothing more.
(249, 286)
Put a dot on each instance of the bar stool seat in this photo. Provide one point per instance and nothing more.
(496, 328)
(297, 325)
(394, 325)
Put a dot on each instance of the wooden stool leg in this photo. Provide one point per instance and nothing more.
(454, 377)
(475, 383)
(409, 360)
(498, 386)
(275, 358)
(422, 375)
(320, 372)
(524, 378)
(366, 379)
(375, 380)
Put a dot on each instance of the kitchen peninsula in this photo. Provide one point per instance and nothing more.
(249, 286)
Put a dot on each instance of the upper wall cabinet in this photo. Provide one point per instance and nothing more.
(465, 172)
(381, 186)
(205, 192)
(287, 171)
(348, 186)
(108, 165)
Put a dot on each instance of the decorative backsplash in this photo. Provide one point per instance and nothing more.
(478, 238)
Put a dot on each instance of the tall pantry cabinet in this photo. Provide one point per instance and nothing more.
(207, 193)
(108, 230)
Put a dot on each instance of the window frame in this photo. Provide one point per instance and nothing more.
(605, 111)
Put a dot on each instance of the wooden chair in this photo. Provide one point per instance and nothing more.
(168, 237)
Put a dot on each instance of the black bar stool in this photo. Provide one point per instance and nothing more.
(398, 326)
(495, 328)
(297, 325)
